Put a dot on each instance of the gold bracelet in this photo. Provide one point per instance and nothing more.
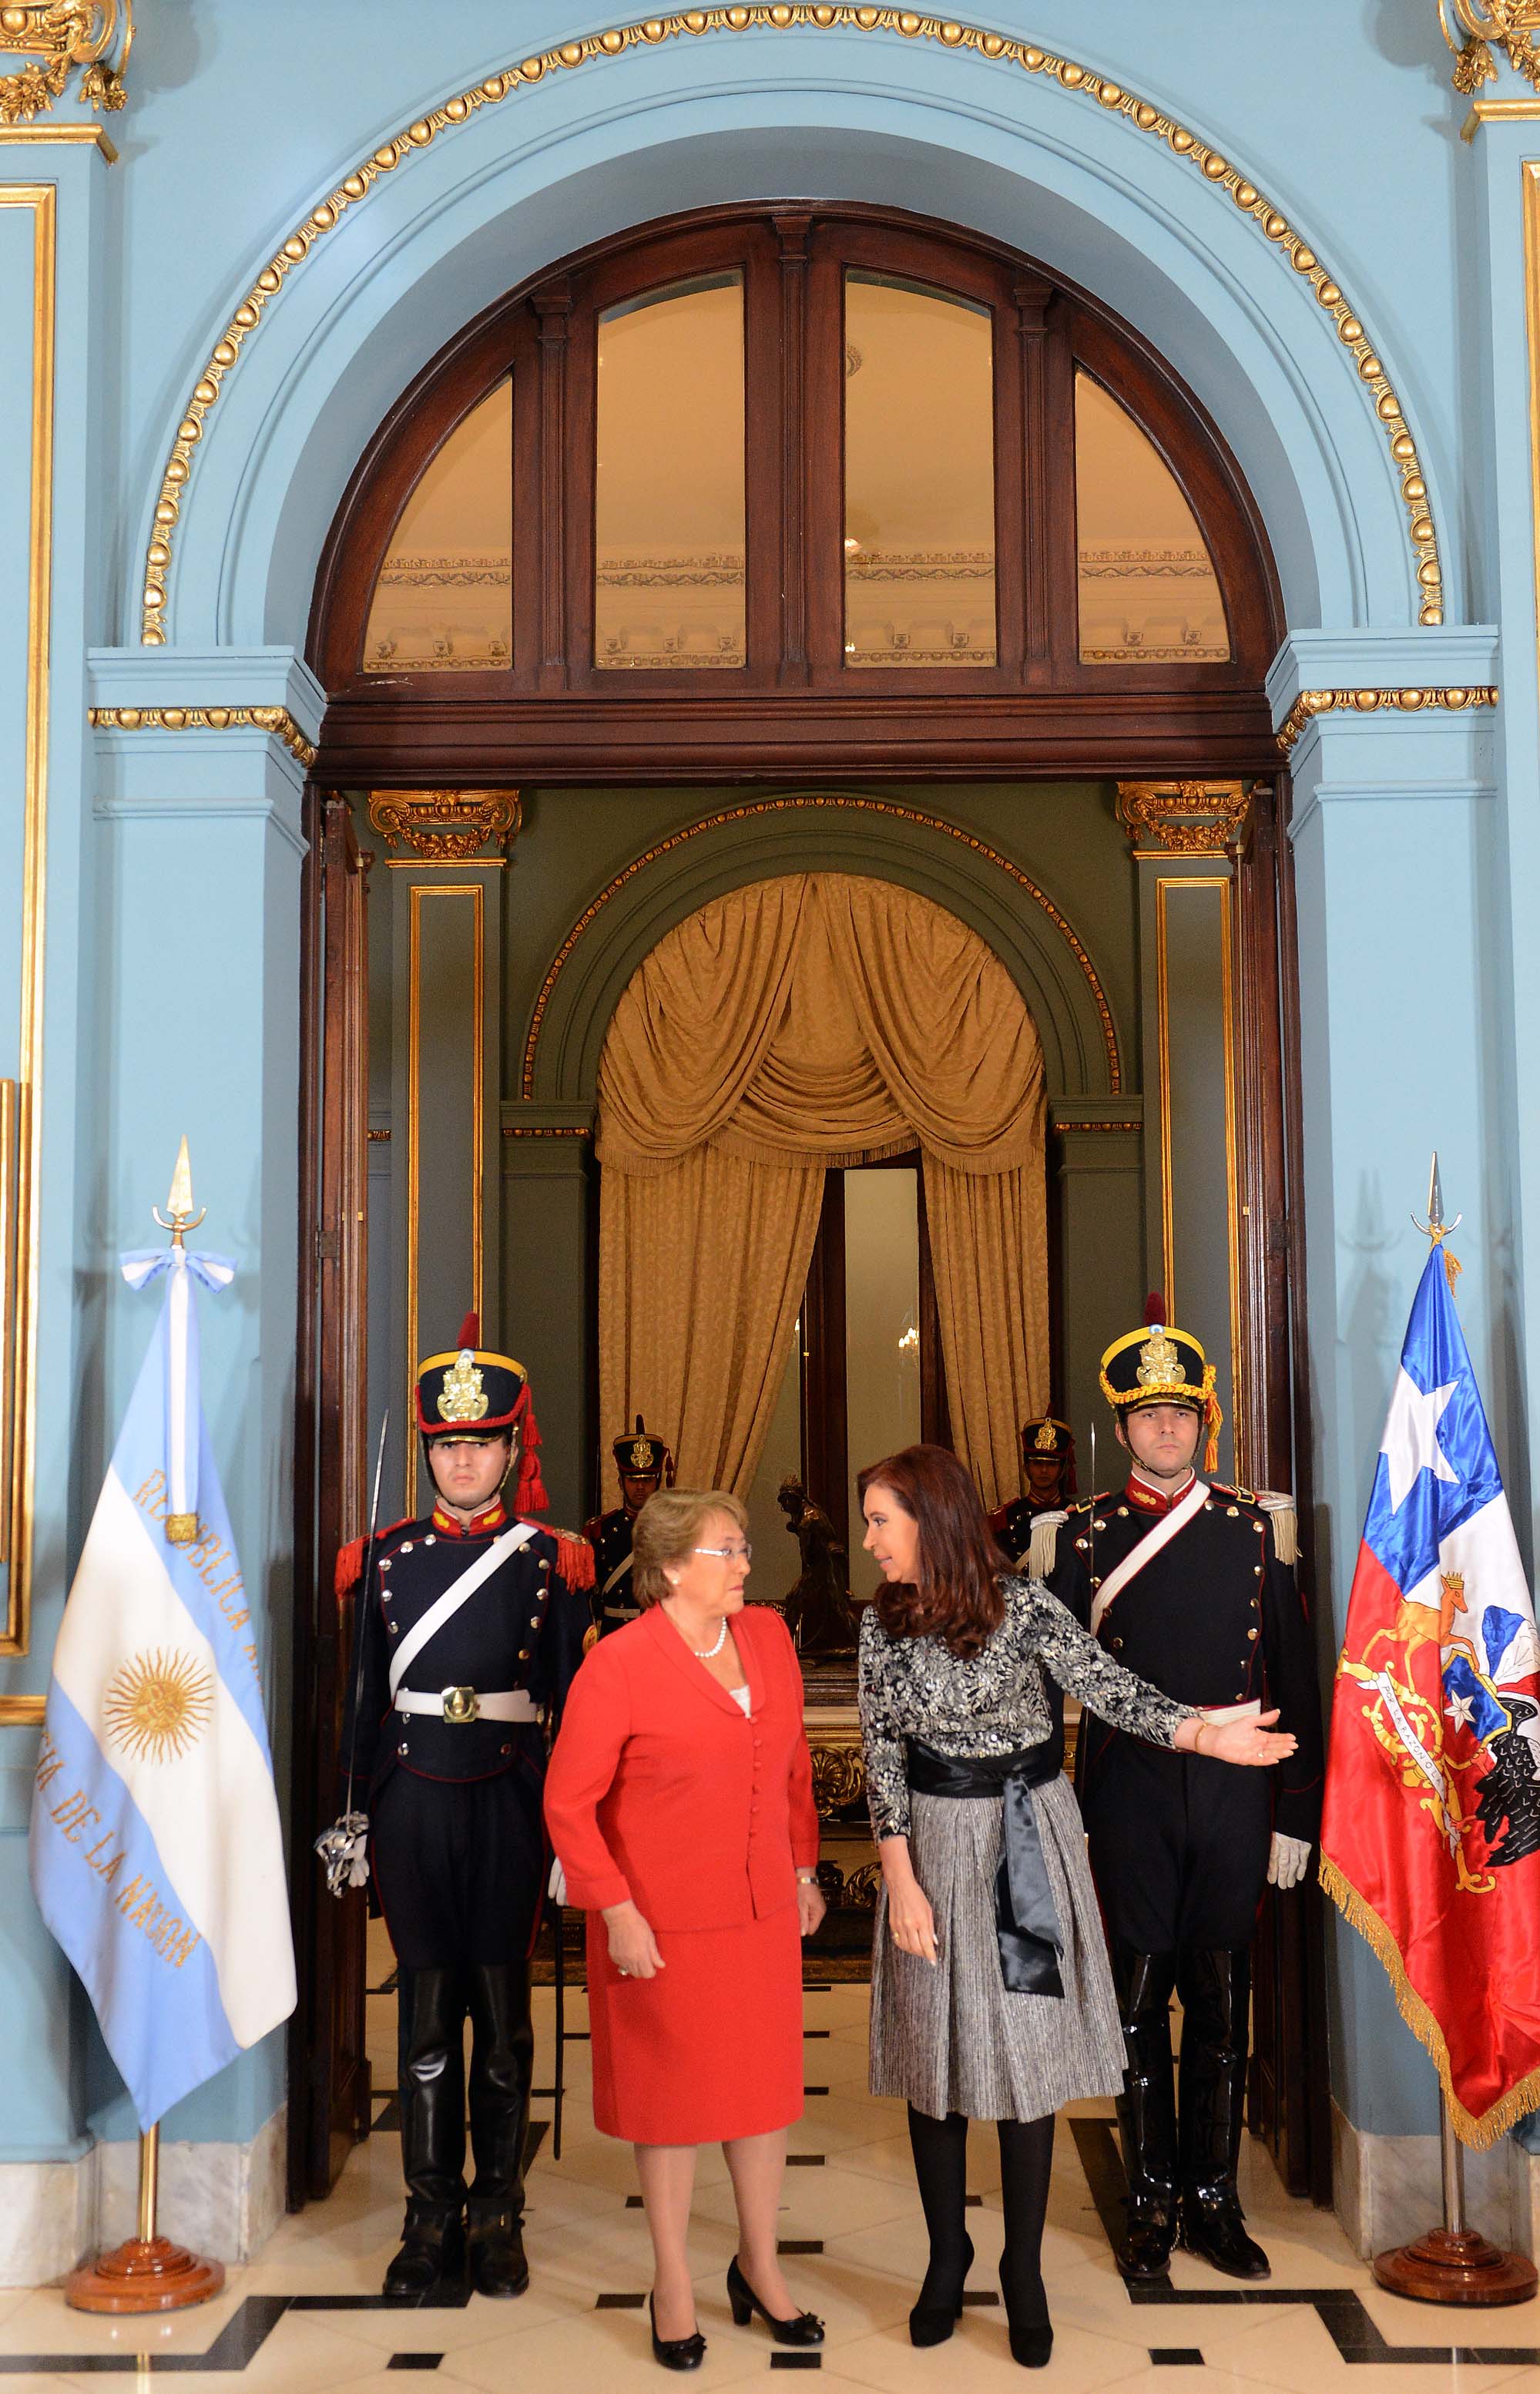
(1198, 1738)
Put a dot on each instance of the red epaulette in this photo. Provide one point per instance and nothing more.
(350, 1559)
(574, 1555)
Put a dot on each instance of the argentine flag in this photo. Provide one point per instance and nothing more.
(156, 1852)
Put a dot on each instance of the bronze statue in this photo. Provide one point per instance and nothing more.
(818, 1609)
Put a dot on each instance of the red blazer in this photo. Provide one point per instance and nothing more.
(659, 1789)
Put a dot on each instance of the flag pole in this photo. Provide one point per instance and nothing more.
(1453, 2264)
(147, 2272)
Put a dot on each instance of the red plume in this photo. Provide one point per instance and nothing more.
(470, 1330)
(1154, 1310)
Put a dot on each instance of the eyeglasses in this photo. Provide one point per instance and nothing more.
(726, 1554)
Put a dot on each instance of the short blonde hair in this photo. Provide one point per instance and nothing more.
(666, 1531)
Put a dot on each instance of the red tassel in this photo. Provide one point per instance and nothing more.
(529, 1490)
(1154, 1310)
(470, 1330)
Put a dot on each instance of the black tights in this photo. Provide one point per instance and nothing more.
(941, 2167)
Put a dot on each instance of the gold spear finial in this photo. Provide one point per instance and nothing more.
(179, 1216)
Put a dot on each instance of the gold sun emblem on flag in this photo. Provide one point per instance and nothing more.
(158, 1706)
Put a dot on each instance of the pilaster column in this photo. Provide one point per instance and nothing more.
(1397, 876)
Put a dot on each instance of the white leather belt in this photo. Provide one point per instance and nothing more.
(458, 1706)
(1216, 1716)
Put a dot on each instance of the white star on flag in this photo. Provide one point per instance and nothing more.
(1410, 1444)
(1460, 1711)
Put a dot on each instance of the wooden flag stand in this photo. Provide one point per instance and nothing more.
(1453, 2264)
(147, 2272)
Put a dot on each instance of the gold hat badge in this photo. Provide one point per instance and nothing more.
(462, 1398)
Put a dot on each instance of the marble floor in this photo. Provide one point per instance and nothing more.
(305, 2317)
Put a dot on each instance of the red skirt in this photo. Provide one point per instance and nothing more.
(709, 2049)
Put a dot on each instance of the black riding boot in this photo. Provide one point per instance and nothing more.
(501, 2057)
(430, 2079)
(1215, 1987)
(940, 2148)
(1146, 2113)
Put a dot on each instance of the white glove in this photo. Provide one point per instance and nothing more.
(344, 1848)
(1289, 1860)
(557, 1888)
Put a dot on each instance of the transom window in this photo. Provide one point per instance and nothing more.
(784, 449)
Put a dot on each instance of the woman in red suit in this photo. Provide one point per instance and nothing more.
(679, 1803)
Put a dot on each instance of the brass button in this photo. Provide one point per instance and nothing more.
(385, 1562)
(1251, 1633)
(406, 1546)
(1117, 1645)
(545, 1567)
(1210, 1507)
(393, 1629)
(1260, 1528)
(1234, 1512)
(401, 1749)
(429, 1539)
(523, 1653)
(1123, 1512)
(1098, 1525)
(1256, 1571)
(1096, 1580)
(505, 1749)
(1081, 1545)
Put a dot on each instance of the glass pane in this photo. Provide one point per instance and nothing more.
(1149, 593)
(668, 485)
(776, 1555)
(882, 1335)
(445, 600)
(919, 477)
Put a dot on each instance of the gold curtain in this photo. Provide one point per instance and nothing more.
(806, 1022)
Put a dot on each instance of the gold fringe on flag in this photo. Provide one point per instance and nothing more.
(1470, 2130)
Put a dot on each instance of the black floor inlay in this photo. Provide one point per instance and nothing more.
(982, 2300)
(633, 2203)
(413, 2361)
(1175, 2356)
(804, 2161)
(796, 2360)
(800, 2244)
(386, 1986)
(973, 2202)
(815, 2090)
(387, 2121)
(817, 2031)
(1339, 2309)
(620, 2302)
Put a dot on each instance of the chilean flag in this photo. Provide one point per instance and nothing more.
(1430, 1843)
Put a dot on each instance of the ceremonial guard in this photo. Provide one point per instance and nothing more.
(472, 1627)
(1192, 1585)
(1047, 1466)
(645, 1465)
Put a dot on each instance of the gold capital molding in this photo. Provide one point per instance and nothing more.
(1498, 111)
(56, 136)
(22, 1712)
(1183, 818)
(276, 720)
(1474, 28)
(751, 810)
(1084, 88)
(447, 826)
(56, 36)
(1311, 703)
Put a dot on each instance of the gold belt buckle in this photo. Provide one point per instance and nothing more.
(461, 1704)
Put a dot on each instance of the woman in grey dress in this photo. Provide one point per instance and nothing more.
(992, 1997)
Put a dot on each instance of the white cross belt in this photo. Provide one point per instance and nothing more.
(458, 1706)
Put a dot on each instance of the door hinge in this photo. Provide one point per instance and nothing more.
(328, 1246)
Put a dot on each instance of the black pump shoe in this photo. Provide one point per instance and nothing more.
(803, 2327)
(933, 2322)
(1032, 2338)
(675, 2351)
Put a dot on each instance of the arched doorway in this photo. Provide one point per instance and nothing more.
(781, 496)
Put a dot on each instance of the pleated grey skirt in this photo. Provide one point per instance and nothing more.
(951, 2037)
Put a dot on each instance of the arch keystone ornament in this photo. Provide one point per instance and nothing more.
(951, 37)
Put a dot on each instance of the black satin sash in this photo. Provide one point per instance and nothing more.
(1026, 1925)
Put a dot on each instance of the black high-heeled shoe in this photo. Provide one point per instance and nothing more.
(803, 2327)
(675, 2351)
(933, 2322)
(1031, 2339)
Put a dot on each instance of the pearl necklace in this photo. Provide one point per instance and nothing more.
(709, 1654)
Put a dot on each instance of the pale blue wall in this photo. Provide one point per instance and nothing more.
(172, 997)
